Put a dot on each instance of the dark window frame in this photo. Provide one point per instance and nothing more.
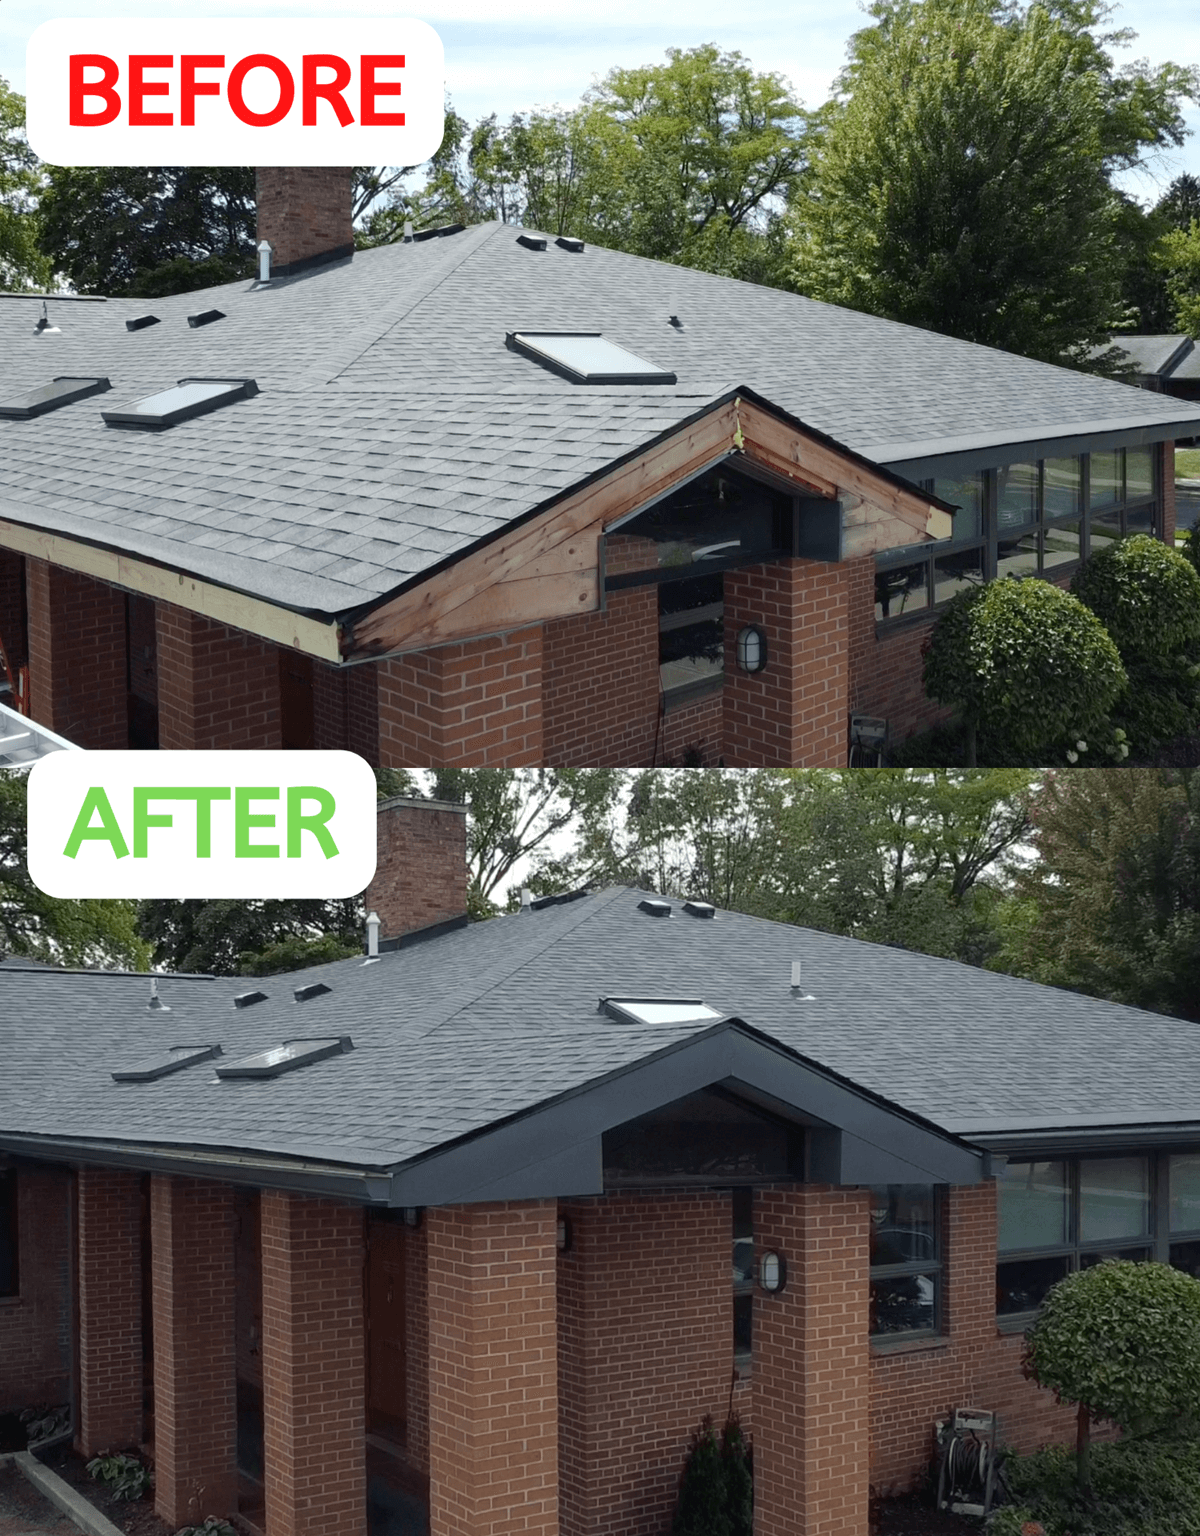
(742, 1205)
(160, 421)
(88, 385)
(10, 1193)
(936, 1267)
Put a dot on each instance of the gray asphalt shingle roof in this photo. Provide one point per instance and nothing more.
(394, 429)
(461, 1031)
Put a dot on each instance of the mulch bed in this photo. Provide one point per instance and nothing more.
(913, 1516)
(135, 1516)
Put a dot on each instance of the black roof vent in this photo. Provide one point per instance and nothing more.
(142, 322)
(570, 243)
(438, 232)
(655, 908)
(313, 989)
(166, 1062)
(248, 999)
(532, 242)
(205, 317)
(559, 899)
(699, 909)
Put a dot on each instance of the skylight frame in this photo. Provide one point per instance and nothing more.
(691, 1010)
(274, 1062)
(159, 421)
(90, 384)
(526, 343)
(176, 1058)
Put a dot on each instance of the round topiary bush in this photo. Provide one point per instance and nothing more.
(1029, 665)
(1146, 595)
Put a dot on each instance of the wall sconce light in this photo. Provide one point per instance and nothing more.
(563, 1238)
(772, 1273)
(751, 649)
(412, 1215)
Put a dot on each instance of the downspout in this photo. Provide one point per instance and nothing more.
(73, 1303)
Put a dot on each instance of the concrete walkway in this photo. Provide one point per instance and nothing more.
(26, 1512)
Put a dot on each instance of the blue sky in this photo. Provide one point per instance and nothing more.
(507, 55)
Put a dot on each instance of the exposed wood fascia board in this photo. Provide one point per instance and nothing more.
(221, 604)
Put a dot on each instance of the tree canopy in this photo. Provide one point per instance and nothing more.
(22, 264)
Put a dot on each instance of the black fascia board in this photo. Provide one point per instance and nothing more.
(996, 456)
(1091, 1138)
(240, 389)
(89, 384)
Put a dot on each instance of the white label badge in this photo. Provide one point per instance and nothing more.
(233, 91)
(203, 824)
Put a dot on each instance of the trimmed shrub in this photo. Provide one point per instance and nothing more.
(1146, 595)
(1031, 668)
(703, 1508)
(1139, 1487)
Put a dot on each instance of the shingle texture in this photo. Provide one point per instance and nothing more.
(491, 1021)
(394, 429)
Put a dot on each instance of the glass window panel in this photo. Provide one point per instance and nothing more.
(8, 1234)
(904, 589)
(743, 1326)
(1021, 1284)
(182, 395)
(1184, 1181)
(1106, 530)
(1034, 1206)
(966, 493)
(743, 1237)
(1106, 478)
(1062, 487)
(903, 1229)
(1018, 557)
(1114, 1198)
(955, 573)
(1016, 495)
(1060, 545)
(903, 1304)
(1186, 1256)
(1134, 1255)
(1139, 474)
(720, 516)
(1141, 519)
(591, 357)
(691, 630)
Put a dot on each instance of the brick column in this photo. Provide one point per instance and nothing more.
(13, 641)
(493, 1388)
(77, 658)
(794, 713)
(1167, 476)
(195, 1397)
(109, 1227)
(464, 706)
(601, 684)
(312, 1353)
(811, 1366)
(217, 687)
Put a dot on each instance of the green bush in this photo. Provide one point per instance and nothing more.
(716, 1491)
(213, 1526)
(1031, 668)
(1138, 1488)
(1190, 548)
(1162, 701)
(1146, 595)
(124, 1476)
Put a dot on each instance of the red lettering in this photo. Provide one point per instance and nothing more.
(140, 88)
(328, 90)
(80, 88)
(287, 90)
(190, 87)
(369, 116)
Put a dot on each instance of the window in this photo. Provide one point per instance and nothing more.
(1183, 1212)
(691, 635)
(708, 1138)
(190, 397)
(285, 1058)
(8, 1233)
(743, 1277)
(48, 397)
(587, 357)
(906, 1269)
(173, 1060)
(658, 1010)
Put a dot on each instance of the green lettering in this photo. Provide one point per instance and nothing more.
(243, 848)
(143, 821)
(203, 795)
(96, 801)
(298, 823)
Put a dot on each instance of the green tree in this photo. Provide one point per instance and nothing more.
(962, 174)
(22, 264)
(229, 937)
(703, 1506)
(47, 928)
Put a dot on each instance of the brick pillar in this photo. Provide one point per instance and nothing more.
(313, 1344)
(13, 629)
(792, 714)
(195, 1397)
(109, 1227)
(601, 685)
(217, 687)
(1167, 477)
(464, 706)
(811, 1364)
(493, 1387)
(77, 656)
(421, 870)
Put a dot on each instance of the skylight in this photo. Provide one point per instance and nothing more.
(587, 357)
(48, 397)
(286, 1057)
(658, 1010)
(166, 1062)
(190, 397)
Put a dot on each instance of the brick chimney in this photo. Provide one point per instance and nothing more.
(305, 214)
(421, 873)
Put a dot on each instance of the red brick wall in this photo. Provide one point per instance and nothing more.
(811, 1364)
(694, 727)
(421, 871)
(303, 211)
(645, 1351)
(313, 1347)
(195, 1419)
(13, 639)
(77, 656)
(35, 1326)
(472, 705)
(109, 1227)
(601, 684)
(1167, 478)
(217, 687)
(416, 1343)
(794, 712)
(493, 1387)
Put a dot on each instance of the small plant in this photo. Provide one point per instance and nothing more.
(124, 1476)
(213, 1526)
(716, 1491)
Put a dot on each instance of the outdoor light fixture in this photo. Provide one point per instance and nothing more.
(772, 1273)
(43, 327)
(563, 1235)
(751, 649)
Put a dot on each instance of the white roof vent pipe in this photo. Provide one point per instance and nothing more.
(526, 899)
(798, 991)
(265, 250)
(408, 231)
(373, 936)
